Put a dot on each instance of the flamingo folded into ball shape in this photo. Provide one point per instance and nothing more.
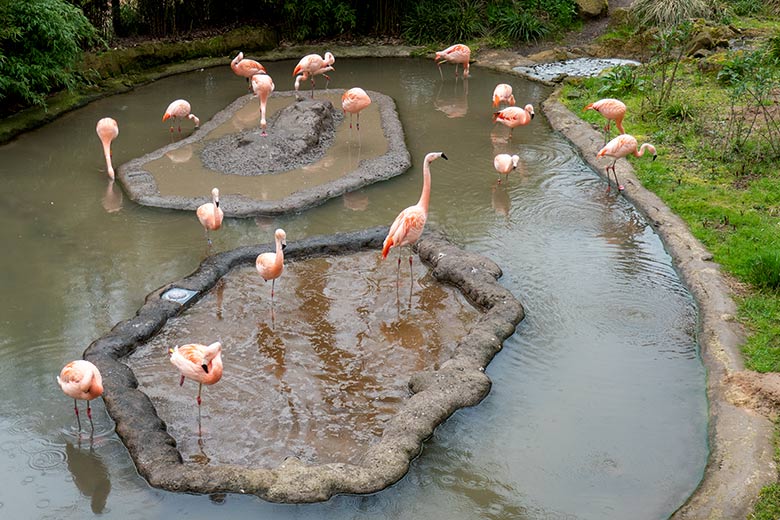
(179, 110)
(210, 214)
(612, 110)
(107, 130)
(262, 86)
(505, 163)
(312, 65)
(271, 265)
(246, 68)
(514, 116)
(623, 146)
(198, 362)
(353, 101)
(503, 92)
(82, 381)
(457, 54)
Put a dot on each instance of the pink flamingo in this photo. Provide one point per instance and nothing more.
(271, 265)
(612, 110)
(81, 379)
(505, 163)
(456, 54)
(503, 92)
(311, 65)
(180, 109)
(246, 68)
(622, 146)
(353, 101)
(409, 224)
(263, 86)
(514, 117)
(107, 130)
(198, 362)
(210, 214)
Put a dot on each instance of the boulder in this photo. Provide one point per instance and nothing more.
(592, 8)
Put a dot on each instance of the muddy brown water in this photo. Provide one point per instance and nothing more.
(597, 410)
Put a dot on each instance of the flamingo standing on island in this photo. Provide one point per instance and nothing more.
(409, 224)
(271, 265)
(198, 362)
(246, 68)
(505, 163)
(503, 92)
(81, 379)
(353, 101)
(263, 86)
(514, 117)
(456, 54)
(107, 130)
(311, 65)
(622, 146)
(210, 214)
(180, 109)
(612, 110)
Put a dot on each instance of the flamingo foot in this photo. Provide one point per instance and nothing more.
(620, 187)
(198, 399)
(181, 381)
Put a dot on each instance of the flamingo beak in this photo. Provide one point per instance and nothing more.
(166, 116)
(284, 246)
(532, 115)
(654, 156)
(444, 157)
(205, 368)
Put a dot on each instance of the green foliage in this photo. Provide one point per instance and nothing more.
(516, 24)
(745, 7)
(671, 13)
(40, 42)
(619, 80)
(308, 19)
(765, 270)
(679, 111)
(668, 52)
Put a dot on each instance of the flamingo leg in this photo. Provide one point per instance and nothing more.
(327, 81)
(440, 72)
(358, 121)
(312, 87)
(89, 414)
(181, 381)
(411, 275)
(350, 120)
(200, 386)
(76, 408)
(272, 289)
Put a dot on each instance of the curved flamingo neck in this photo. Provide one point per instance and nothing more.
(641, 152)
(107, 153)
(425, 196)
(279, 259)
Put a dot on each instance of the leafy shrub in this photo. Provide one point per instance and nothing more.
(619, 80)
(679, 111)
(309, 19)
(40, 42)
(516, 24)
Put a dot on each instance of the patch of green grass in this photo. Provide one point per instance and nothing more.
(768, 505)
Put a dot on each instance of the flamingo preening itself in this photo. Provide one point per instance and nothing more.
(505, 163)
(457, 54)
(612, 110)
(81, 380)
(271, 265)
(107, 130)
(210, 214)
(353, 101)
(622, 146)
(514, 117)
(246, 68)
(263, 86)
(503, 92)
(312, 65)
(198, 362)
(180, 109)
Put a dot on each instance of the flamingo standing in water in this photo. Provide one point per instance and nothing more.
(180, 109)
(311, 65)
(245, 67)
(198, 362)
(514, 117)
(505, 163)
(263, 86)
(81, 379)
(353, 101)
(503, 92)
(107, 130)
(456, 54)
(210, 214)
(622, 146)
(271, 265)
(409, 224)
(612, 110)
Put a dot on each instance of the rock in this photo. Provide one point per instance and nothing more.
(619, 17)
(592, 8)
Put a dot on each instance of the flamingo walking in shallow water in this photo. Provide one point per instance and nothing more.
(180, 109)
(312, 65)
(503, 92)
(409, 224)
(271, 265)
(107, 130)
(623, 146)
(514, 117)
(612, 110)
(198, 362)
(505, 163)
(81, 379)
(353, 101)
(263, 86)
(210, 214)
(457, 54)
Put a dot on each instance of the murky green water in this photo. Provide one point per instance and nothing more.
(598, 407)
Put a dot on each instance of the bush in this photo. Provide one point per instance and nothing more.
(40, 43)
(670, 13)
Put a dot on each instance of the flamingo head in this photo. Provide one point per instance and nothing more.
(496, 115)
(239, 57)
(530, 109)
(329, 59)
(433, 156)
(515, 161)
(215, 196)
(588, 107)
(297, 70)
(281, 237)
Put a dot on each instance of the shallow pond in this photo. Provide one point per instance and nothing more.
(598, 407)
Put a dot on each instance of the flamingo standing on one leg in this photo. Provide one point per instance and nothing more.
(353, 101)
(612, 110)
(456, 54)
(503, 92)
(198, 362)
(505, 163)
(514, 117)
(263, 86)
(271, 265)
(81, 379)
(622, 146)
(180, 109)
(210, 214)
(409, 224)
(246, 68)
(107, 130)
(311, 65)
